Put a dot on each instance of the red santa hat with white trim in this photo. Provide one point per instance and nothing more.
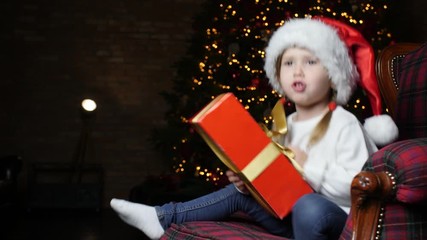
(349, 59)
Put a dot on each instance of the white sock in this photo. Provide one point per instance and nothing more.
(141, 216)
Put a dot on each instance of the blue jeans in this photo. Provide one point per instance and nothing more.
(313, 216)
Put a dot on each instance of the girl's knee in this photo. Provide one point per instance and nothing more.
(313, 215)
(308, 207)
(307, 202)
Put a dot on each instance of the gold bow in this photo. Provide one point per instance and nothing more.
(281, 128)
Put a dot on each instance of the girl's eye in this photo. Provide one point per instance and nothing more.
(288, 63)
(312, 62)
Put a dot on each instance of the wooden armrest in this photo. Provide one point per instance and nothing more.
(368, 191)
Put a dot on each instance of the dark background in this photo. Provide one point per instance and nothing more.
(119, 53)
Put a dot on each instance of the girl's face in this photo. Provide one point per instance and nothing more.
(304, 79)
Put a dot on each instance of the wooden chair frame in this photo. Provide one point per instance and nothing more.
(386, 64)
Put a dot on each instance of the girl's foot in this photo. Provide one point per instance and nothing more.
(139, 216)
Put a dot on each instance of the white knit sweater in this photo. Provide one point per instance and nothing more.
(336, 158)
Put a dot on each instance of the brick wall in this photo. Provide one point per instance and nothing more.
(120, 53)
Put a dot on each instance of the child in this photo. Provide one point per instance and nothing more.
(308, 62)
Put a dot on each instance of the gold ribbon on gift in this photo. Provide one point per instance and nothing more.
(279, 118)
(261, 161)
(280, 129)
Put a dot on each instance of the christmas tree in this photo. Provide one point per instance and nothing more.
(227, 55)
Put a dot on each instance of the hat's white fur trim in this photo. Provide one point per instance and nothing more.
(323, 41)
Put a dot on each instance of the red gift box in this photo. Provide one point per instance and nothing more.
(244, 147)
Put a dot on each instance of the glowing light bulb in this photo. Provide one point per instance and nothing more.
(88, 105)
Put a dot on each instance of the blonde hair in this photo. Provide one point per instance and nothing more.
(320, 130)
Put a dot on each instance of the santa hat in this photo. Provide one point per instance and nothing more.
(347, 56)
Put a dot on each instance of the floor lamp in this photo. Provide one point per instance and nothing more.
(88, 107)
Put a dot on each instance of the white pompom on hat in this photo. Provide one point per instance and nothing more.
(348, 57)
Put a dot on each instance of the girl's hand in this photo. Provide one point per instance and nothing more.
(238, 183)
(300, 155)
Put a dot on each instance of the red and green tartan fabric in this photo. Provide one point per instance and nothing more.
(405, 215)
(411, 109)
(218, 230)
(238, 226)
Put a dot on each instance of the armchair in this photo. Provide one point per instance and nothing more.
(389, 195)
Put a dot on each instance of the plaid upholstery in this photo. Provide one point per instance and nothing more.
(238, 226)
(215, 230)
(411, 110)
(347, 232)
(407, 161)
(405, 215)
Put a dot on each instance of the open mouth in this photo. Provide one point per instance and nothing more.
(298, 86)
